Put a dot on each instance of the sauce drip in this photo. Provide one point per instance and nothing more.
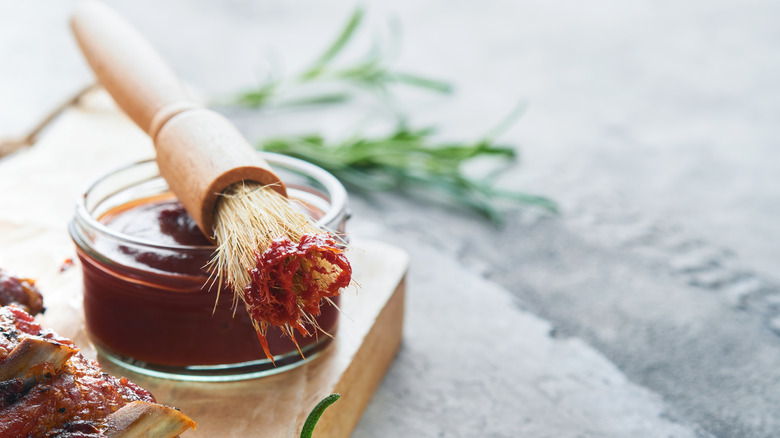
(290, 280)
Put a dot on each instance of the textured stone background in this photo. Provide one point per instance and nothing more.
(649, 307)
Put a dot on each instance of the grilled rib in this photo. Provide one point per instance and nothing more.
(49, 390)
(27, 352)
(20, 291)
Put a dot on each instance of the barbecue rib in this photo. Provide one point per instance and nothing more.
(47, 389)
(20, 291)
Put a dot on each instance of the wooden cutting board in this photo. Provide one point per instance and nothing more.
(38, 188)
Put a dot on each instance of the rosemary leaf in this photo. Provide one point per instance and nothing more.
(336, 46)
(408, 160)
(372, 72)
(405, 159)
(422, 82)
(315, 99)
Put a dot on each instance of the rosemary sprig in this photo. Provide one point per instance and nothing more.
(409, 159)
(372, 72)
(316, 413)
(405, 159)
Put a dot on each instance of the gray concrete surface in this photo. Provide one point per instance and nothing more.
(649, 307)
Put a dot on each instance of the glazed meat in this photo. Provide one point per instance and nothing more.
(20, 291)
(81, 394)
(28, 353)
(47, 389)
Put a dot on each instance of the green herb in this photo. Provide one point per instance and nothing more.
(371, 72)
(405, 159)
(316, 413)
(410, 159)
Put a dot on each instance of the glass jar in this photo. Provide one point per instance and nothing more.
(149, 305)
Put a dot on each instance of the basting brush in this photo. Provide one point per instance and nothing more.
(275, 260)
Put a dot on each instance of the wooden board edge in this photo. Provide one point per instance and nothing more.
(367, 370)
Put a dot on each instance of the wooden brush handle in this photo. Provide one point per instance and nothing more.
(199, 152)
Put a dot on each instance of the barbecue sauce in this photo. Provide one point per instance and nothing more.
(291, 280)
(158, 306)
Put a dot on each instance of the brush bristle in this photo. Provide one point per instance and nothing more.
(279, 264)
(248, 218)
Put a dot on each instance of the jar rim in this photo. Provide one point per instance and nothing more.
(336, 193)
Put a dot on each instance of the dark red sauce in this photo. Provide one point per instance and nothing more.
(155, 305)
(291, 280)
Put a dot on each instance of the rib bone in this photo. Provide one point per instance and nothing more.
(33, 359)
(144, 419)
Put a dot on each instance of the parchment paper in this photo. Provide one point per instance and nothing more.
(38, 188)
